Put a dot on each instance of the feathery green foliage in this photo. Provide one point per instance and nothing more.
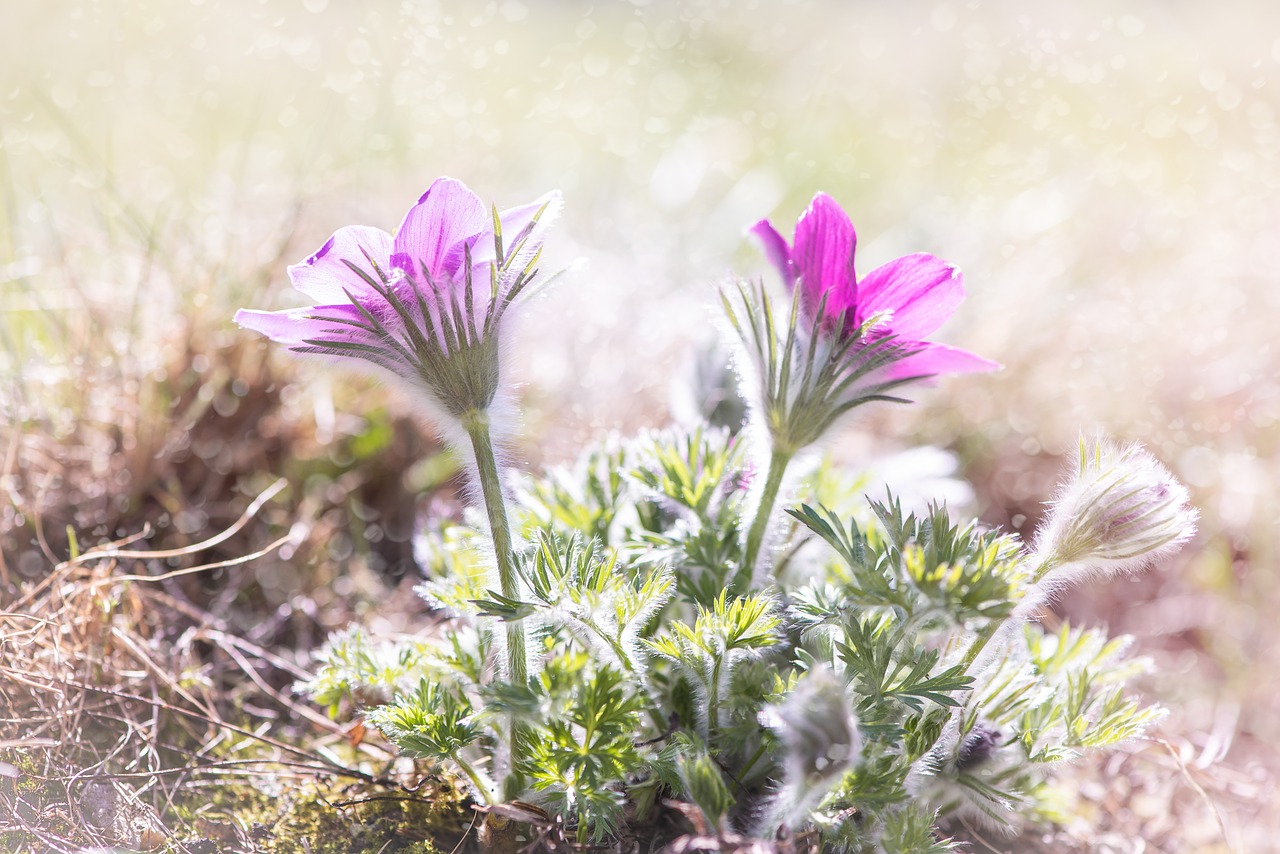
(651, 680)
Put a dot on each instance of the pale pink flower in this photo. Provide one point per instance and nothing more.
(425, 306)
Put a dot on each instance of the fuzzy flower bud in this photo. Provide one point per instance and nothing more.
(819, 731)
(1120, 511)
(706, 787)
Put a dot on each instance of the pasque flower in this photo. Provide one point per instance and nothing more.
(846, 341)
(1119, 511)
(906, 299)
(819, 733)
(426, 305)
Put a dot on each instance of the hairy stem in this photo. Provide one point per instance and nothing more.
(482, 782)
(778, 461)
(713, 700)
(751, 763)
(495, 506)
(979, 643)
(993, 628)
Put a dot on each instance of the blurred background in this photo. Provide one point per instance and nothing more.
(1105, 173)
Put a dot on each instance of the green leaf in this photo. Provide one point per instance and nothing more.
(431, 722)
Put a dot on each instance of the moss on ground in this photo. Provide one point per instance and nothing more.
(315, 819)
(30, 801)
(263, 814)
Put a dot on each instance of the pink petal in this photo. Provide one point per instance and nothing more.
(933, 359)
(823, 256)
(922, 292)
(325, 275)
(436, 229)
(776, 250)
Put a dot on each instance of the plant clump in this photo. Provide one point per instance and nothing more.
(644, 644)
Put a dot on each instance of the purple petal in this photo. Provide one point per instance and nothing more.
(328, 322)
(776, 250)
(922, 292)
(287, 327)
(325, 275)
(932, 359)
(434, 231)
(823, 256)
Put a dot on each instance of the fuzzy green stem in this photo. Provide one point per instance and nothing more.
(984, 637)
(751, 763)
(778, 461)
(495, 505)
(992, 629)
(481, 781)
(713, 699)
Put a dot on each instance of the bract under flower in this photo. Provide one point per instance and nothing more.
(424, 305)
(911, 296)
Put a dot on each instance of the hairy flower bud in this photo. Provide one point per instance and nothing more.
(819, 731)
(1120, 511)
(706, 787)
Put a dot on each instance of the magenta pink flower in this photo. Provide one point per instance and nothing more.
(424, 305)
(914, 295)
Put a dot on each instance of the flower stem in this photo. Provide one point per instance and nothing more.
(751, 763)
(778, 461)
(713, 700)
(984, 637)
(495, 506)
(1045, 566)
(481, 781)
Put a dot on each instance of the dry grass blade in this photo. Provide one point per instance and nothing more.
(205, 567)
(1199, 790)
(250, 511)
(116, 699)
(111, 551)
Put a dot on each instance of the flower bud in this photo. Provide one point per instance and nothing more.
(706, 787)
(819, 731)
(1120, 511)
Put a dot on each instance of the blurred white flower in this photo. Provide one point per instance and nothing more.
(919, 477)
